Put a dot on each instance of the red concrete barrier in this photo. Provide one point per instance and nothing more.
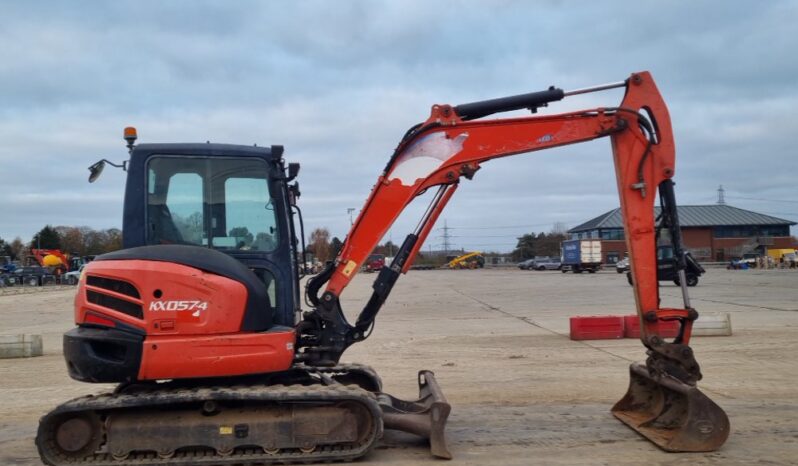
(668, 329)
(596, 327)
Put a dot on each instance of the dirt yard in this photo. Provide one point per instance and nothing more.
(521, 391)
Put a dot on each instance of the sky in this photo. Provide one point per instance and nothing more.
(338, 84)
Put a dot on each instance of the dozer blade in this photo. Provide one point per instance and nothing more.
(425, 417)
(674, 415)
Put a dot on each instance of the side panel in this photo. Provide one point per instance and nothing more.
(176, 357)
(571, 252)
(162, 297)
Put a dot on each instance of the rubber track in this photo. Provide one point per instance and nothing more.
(246, 457)
(349, 368)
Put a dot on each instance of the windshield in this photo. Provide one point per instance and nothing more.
(222, 202)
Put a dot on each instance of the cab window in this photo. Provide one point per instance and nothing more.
(223, 203)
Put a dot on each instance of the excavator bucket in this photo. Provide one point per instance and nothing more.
(425, 417)
(674, 415)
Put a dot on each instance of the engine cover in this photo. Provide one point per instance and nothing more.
(189, 322)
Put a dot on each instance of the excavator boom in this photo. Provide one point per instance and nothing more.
(454, 143)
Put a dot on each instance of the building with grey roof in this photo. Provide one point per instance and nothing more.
(711, 232)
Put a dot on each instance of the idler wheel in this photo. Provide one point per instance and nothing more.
(78, 436)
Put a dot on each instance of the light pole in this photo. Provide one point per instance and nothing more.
(350, 211)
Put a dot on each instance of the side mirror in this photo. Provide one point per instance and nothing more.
(96, 170)
(293, 170)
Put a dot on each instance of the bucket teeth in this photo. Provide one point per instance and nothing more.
(425, 417)
(672, 414)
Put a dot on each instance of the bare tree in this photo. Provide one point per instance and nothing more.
(559, 228)
(17, 248)
(113, 239)
(72, 241)
(320, 244)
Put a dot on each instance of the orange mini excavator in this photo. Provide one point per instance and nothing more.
(199, 319)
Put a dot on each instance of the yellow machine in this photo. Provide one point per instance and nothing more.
(471, 260)
(778, 254)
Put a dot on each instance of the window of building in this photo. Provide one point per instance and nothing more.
(612, 234)
(749, 231)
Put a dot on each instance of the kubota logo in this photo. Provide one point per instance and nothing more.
(177, 306)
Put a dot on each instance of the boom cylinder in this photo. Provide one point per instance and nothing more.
(532, 100)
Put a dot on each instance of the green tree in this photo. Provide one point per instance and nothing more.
(549, 244)
(5, 248)
(46, 238)
(17, 248)
(525, 248)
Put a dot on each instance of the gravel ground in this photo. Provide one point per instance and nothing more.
(521, 391)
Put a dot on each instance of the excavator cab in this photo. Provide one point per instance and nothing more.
(231, 198)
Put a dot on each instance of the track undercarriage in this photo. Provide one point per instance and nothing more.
(305, 415)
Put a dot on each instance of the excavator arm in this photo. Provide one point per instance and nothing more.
(452, 144)
(449, 146)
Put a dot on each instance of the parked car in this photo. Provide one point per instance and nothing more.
(375, 263)
(73, 277)
(34, 276)
(666, 268)
(6, 265)
(524, 265)
(622, 265)
(546, 263)
(750, 258)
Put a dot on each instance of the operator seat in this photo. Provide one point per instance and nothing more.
(258, 315)
(161, 224)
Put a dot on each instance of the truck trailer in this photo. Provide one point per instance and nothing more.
(579, 255)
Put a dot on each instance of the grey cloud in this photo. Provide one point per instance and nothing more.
(339, 83)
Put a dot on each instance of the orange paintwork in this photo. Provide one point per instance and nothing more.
(198, 340)
(471, 143)
(225, 298)
(486, 140)
(179, 357)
